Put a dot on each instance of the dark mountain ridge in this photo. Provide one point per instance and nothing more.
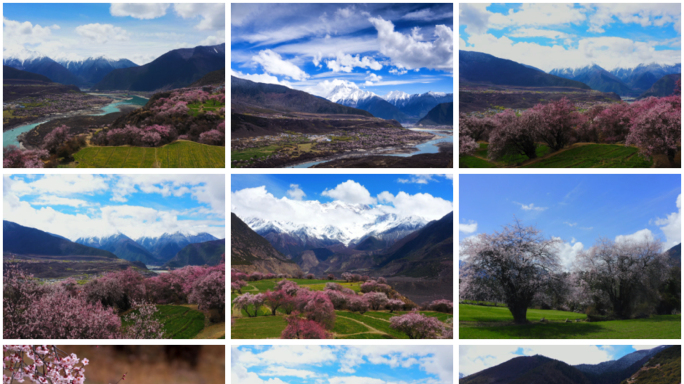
(205, 253)
(442, 114)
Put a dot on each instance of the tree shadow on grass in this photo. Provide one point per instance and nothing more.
(533, 331)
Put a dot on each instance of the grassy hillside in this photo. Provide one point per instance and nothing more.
(179, 154)
(664, 368)
(206, 253)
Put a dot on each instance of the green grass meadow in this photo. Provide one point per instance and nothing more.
(480, 322)
(179, 154)
(583, 156)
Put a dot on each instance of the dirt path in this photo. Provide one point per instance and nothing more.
(372, 330)
(212, 332)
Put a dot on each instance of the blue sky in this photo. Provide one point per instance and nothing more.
(138, 32)
(76, 206)
(576, 208)
(473, 359)
(550, 36)
(313, 47)
(371, 364)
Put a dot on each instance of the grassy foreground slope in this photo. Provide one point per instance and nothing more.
(576, 156)
(479, 322)
(185, 322)
(179, 154)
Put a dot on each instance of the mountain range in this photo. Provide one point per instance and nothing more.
(396, 105)
(441, 114)
(484, 68)
(149, 250)
(204, 253)
(390, 246)
(636, 367)
(174, 69)
(623, 81)
(31, 241)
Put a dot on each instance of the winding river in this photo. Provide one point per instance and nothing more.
(10, 137)
(431, 146)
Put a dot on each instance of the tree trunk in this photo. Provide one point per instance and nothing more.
(671, 155)
(519, 313)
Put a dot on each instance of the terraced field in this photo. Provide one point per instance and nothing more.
(577, 156)
(348, 325)
(185, 322)
(179, 154)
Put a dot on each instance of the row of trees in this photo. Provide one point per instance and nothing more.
(311, 314)
(521, 268)
(68, 310)
(652, 124)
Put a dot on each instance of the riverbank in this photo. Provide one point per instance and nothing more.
(443, 159)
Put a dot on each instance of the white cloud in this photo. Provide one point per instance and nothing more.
(426, 14)
(638, 236)
(55, 200)
(347, 62)
(475, 17)
(274, 64)
(344, 213)
(643, 14)
(642, 347)
(350, 192)
(218, 38)
(372, 78)
(467, 228)
(534, 32)
(418, 179)
(410, 52)
(570, 224)
(143, 11)
(133, 220)
(672, 226)
(396, 71)
(359, 380)
(325, 87)
(541, 14)
(102, 33)
(531, 207)
(260, 78)
(473, 359)
(282, 371)
(290, 356)
(212, 15)
(25, 31)
(295, 192)
(567, 252)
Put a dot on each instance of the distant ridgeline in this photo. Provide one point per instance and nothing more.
(175, 69)
(479, 67)
(653, 366)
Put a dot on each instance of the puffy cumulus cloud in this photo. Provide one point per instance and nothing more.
(638, 236)
(260, 78)
(350, 192)
(59, 185)
(24, 32)
(346, 12)
(411, 51)
(475, 17)
(347, 63)
(396, 71)
(274, 64)
(143, 11)
(420, 204)
(325, 87)
(643, 14)
(295, 192)
(102, 33)
(473, 359)
(469, 227)
(672, 226)
(373, 78)
(212, 15)
(567, 252)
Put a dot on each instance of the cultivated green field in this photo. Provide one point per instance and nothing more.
(179, 154)
(348, 325)
(179, 322)
(479, 322)
(579, 156)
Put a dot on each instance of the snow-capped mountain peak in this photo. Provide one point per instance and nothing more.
(394, 96)
(348, 93)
